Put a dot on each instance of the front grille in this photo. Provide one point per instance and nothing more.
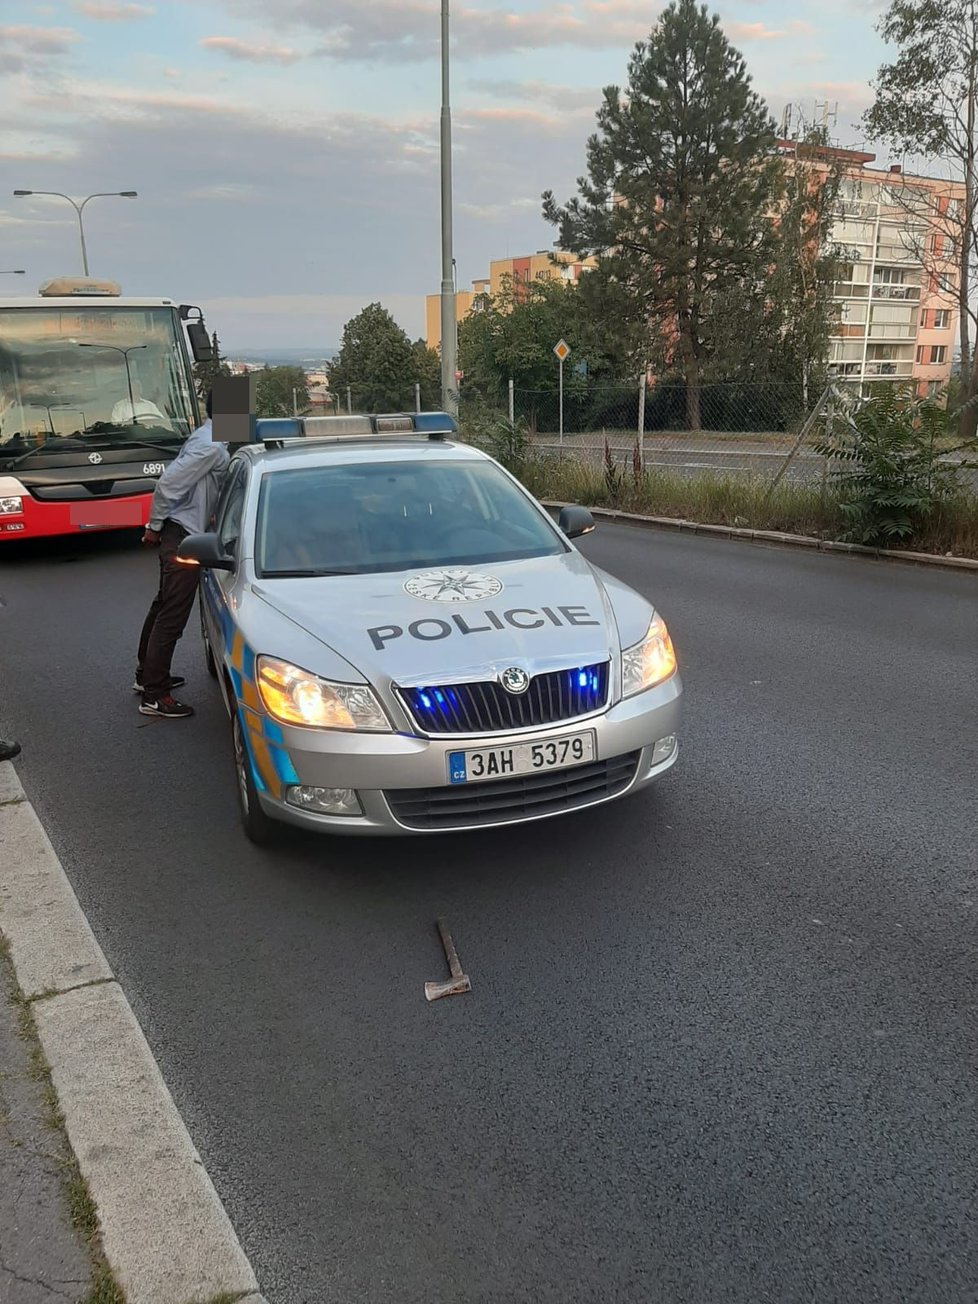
(505, 800)
(487, 707)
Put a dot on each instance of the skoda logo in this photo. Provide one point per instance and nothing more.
(95, 458)
(515, 680)
(453, 586)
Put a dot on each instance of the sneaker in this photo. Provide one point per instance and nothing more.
(168, 707)
(175, 681)
(8, 749)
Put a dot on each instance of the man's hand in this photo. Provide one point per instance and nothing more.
(150, 538)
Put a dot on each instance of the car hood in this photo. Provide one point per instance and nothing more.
(453, 624)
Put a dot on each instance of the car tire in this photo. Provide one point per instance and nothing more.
(257, 826)
(208, 654)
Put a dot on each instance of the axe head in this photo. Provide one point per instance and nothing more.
(453, 987)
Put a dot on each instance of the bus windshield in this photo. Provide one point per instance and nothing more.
(102, 375)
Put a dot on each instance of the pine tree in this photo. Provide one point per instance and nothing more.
(205, 373)
(679, 193)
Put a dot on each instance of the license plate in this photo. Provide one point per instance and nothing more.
(104, 515)
(524, 758)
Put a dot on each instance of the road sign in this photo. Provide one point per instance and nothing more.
(562, 350)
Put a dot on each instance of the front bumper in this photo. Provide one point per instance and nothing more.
(43, 520)
(378, 764)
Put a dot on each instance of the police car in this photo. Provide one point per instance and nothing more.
(406, 643)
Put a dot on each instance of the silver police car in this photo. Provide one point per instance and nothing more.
(406, 643)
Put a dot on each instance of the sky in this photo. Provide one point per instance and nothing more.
(286, 151)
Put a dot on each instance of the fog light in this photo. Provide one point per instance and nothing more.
(325, 801)
(664, 748)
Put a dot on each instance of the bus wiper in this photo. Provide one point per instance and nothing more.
(123, 444)
(39, 448)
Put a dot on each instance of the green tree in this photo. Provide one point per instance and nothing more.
(784, 332)
(927, 103)
(679, 190)
(427, 373)
(377, 362)
(279, 391)
(205, 373)
(512, 335)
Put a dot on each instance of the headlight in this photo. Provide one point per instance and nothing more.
(11, 506)
(295, 696)
(650, 662)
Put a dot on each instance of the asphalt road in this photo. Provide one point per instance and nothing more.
(690, 456)
(721, 1043)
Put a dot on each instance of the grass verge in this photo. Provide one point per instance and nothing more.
(740, 501)
(80, 1206)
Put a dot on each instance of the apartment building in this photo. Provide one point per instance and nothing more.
(546, 265)
(896, 296)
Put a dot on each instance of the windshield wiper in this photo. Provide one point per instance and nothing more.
(46, 443)
(123, 444)
(308, 573)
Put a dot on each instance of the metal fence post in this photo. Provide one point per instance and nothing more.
(802, 436)
(512, 402)
(641, 420)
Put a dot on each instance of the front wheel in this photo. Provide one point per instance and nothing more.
(258, 827)
(208, 654)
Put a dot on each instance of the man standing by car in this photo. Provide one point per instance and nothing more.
(184, 501)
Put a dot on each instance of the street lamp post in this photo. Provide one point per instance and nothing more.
(19, 271)
(449, 326)
(80, 208)
(114, 348)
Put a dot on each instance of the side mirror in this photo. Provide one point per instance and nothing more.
(204, 550)
(200, 342)
(575, 521)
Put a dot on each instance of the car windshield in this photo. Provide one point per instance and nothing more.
(392, 516)
(103, 375)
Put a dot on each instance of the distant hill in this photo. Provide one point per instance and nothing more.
(298, 357)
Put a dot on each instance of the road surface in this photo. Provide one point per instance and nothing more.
(721, 1042)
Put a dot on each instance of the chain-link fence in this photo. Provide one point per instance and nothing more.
(762, 431)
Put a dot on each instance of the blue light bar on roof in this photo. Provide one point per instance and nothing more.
(434, 423)
(277, 428)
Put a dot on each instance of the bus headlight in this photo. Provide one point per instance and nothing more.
(13, 506)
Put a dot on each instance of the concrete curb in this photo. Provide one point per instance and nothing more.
(165, 1233)
(776, 537)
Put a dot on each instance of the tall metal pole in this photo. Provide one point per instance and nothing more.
(449, 337)
(561, 407)
(81, 231)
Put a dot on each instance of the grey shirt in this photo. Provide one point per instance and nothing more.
(188, 489)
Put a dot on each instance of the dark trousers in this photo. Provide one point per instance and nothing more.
(167, 617)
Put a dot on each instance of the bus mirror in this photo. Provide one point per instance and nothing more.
(200, 342)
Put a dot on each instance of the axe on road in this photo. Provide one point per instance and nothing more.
(458, 983)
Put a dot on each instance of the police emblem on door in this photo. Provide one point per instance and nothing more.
(515, 680)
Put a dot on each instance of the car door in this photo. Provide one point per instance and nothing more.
(215, 584)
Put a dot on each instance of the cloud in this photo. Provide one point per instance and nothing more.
(249, 52)
(172, 74)
(25, 49)
(491, 212)
(752, 32)
(567, 99)
(104, 12)
(405, 30)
